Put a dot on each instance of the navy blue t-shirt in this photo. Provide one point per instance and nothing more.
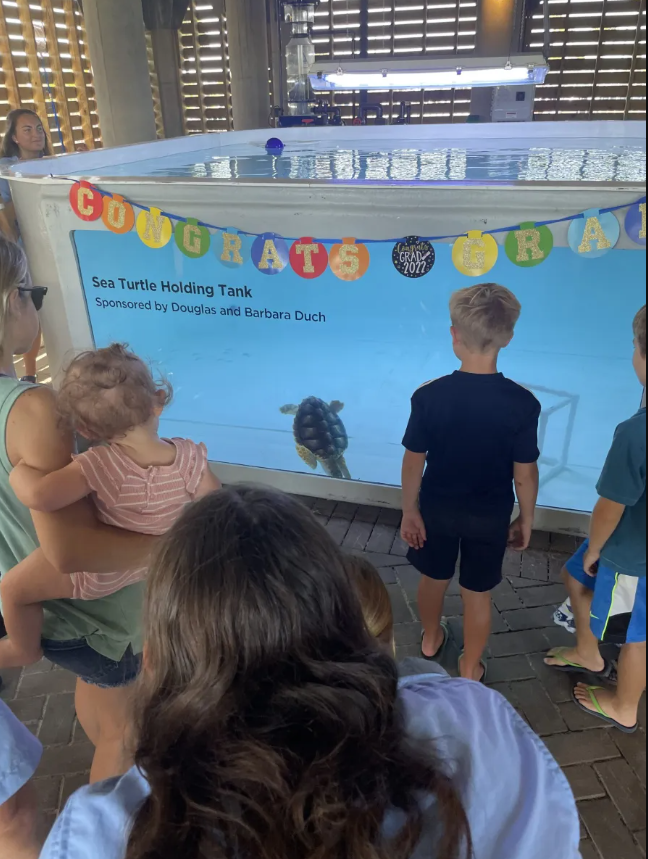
(473, 429)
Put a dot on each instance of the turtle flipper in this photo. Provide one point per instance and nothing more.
(289, 410)
(337, 406)
(337, 468)
(308, 456)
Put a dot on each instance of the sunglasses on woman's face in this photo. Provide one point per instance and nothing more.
(37, 293)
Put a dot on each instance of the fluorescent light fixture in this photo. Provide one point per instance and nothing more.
(426, 73)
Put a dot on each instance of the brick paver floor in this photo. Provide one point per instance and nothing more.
(606, 768)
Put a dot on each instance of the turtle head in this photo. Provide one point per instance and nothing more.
(289, 410)
(337, 406)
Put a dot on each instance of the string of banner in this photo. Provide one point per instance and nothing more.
(591, 235)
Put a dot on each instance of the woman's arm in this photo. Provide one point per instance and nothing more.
(8, 221)
(72, 539)
(47, 493)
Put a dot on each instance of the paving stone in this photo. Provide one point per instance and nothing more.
(383, 559)
(633, 749)
(65, 760)
(589, 851)
(584, 782)
(367, 514)
(357, 536)
(506, 598)
(48, 792)
(402, 613)
(498, 624)
(558, 636)
(557, 684)
(41, 667)
(53, 683)
(388, 516)
(509, 669)
(535, 565)
(606, 829)
(540, 711)
(453, 606)
(338, 528)
(547, 595)
(408, 651)
(59, 719)
(565, 543)
(557, 564)
(410, 579)
(582, 748)
(516, 643)
(625, 791)
(324, 507)
(508, 691)
(382, 538)
(519, 583)
(71, 784)
(528, 618)
(400, 547)
(540, 541)
(512, 564)
(306, 500)
(408, 633)
(640, 838)
(28, 709)
(10, 680)
(388, 575)
(578, 720)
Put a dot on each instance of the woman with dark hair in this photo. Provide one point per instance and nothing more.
(25, 139)
(272, 725)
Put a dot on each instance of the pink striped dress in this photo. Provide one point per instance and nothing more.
(145, 500)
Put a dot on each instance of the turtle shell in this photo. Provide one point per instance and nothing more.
(320, 430)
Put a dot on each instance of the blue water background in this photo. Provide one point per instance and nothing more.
(384, 336)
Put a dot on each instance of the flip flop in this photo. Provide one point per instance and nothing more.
(484, 665)
(570, 667)
(446, 636)
(599, 713)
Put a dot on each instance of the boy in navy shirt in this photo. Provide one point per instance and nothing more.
(474, 433)
(606, 579)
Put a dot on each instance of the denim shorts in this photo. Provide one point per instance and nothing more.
(90, 666)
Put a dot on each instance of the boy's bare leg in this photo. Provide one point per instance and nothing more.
(106, 717)
(23, 590)
(587, 652)
(478, 620)
(431, 595)
(621, 705)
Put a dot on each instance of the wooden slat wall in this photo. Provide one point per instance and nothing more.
(400, 28)
(44, 64)
(205, 68)
(598, 60)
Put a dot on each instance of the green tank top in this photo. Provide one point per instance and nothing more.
(109, 625)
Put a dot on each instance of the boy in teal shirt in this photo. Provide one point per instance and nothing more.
(606, 579)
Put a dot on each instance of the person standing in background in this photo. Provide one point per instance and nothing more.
(25, 140)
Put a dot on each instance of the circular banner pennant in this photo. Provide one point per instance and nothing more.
(154, 229)
(476, 254)
(118, 215)
(232, 248)
(414, 257)
(308, 258)
(635, 223)
(270, 254)
(529, 245)
(594, 235)
(349, 261)
(86, 201)
(193, 240)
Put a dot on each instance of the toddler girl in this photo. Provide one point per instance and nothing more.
(137, 480)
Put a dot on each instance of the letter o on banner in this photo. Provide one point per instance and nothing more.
(349, 261)
(476, 254)
(118, 215)
(270, 254)
(594, 235)
(193, 240)
(86, 201)
(308, 258)
(154, 229)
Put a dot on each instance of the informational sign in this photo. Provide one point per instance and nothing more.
(253, 358)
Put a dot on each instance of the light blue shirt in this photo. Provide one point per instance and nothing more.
(518, 801)
(5, 190)
(20, 754)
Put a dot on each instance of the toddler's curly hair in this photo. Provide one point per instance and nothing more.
(109, 392)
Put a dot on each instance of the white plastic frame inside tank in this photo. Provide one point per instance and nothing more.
(382, 211)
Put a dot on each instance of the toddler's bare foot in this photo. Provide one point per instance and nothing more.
(13, 657)
(608, 702)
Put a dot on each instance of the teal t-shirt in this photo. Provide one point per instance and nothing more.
(624, 481)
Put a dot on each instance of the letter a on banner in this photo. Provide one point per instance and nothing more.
(154, 229)
(270, 254)
(594, 235)
(86, 201)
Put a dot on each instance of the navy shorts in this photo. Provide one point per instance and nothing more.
(478, 543)
(90, 666)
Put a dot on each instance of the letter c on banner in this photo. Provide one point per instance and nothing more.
(118, 215)
(86, 201)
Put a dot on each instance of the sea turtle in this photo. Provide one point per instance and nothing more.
(320, 435)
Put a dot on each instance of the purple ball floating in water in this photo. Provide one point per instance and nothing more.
(275, 145)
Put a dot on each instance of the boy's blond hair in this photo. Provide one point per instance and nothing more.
(485, 316)
(640, 330)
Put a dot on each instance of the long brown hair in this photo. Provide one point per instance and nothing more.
(10, 148)
(269, 722)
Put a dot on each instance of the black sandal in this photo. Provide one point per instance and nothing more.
(446, 637)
